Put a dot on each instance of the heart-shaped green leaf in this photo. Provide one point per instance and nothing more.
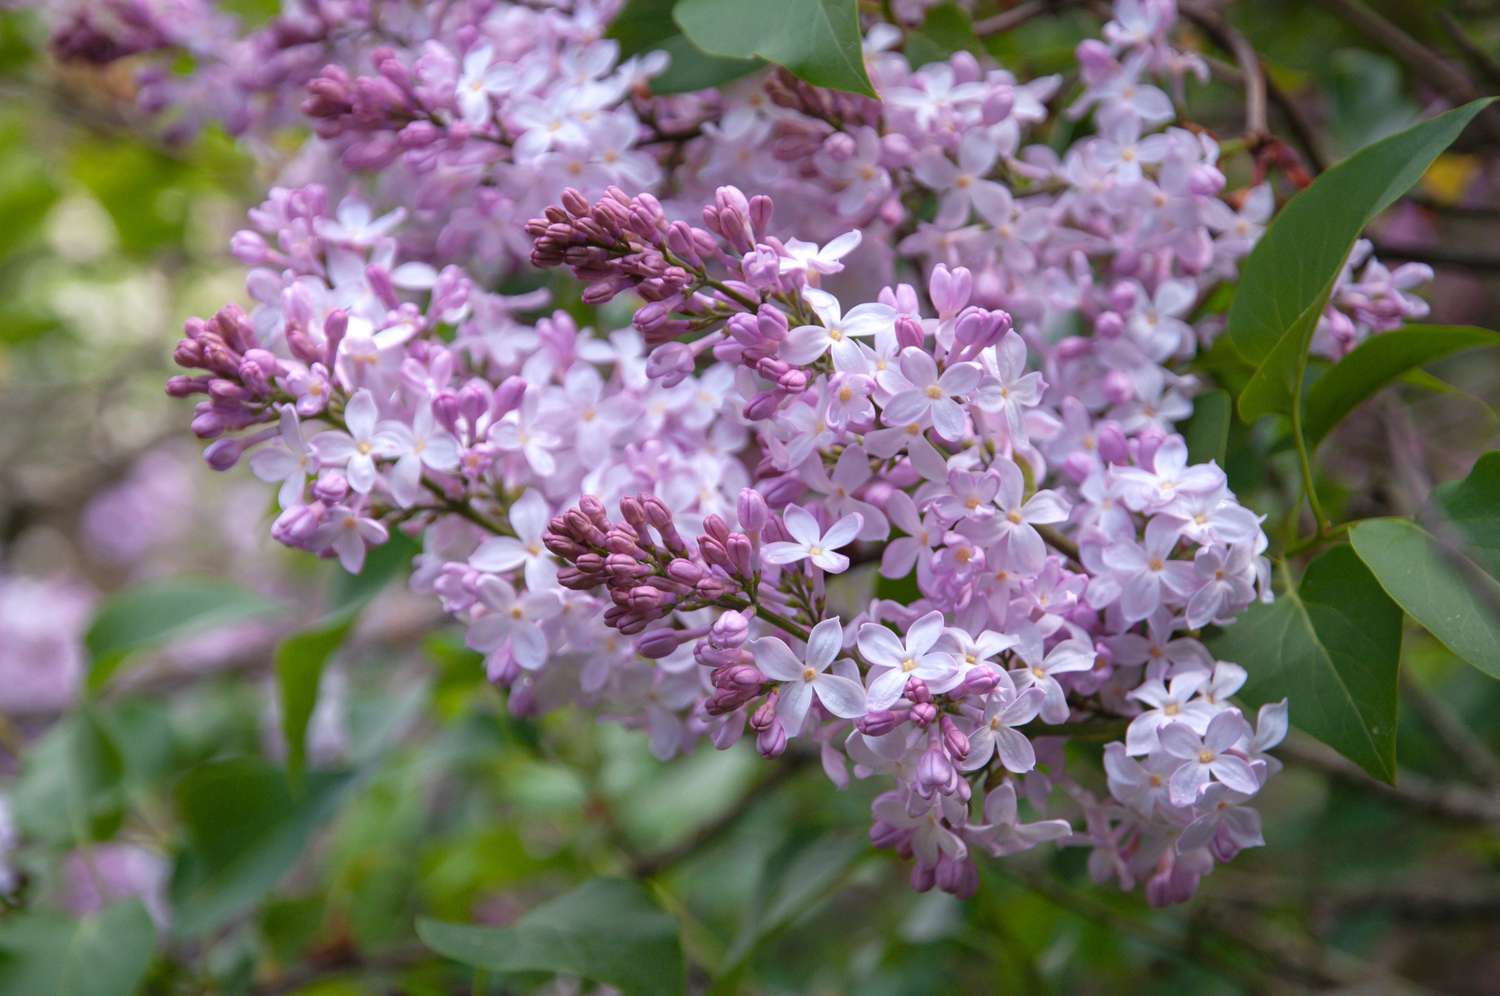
(1331, 645)
(816, 40)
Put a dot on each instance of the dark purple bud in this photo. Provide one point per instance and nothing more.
(658, 643)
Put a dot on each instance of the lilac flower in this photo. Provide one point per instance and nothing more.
(356, 449)
(894, 661)
(1002, 831)
(994, 733)
(1068, 657)
(513, 620)
(1013, 532)
(500, 554)
(806, 343)
(924, 393)
(1169, 703)
(813, 261)
(1207, 757)
(288, 459)
(348, 532)
(1145, 571)
(415, 445)
(809, 678)
(1170, 476)
(811, 542)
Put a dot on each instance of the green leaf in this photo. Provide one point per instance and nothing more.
(104, 954)
(1286, 281)
(816, 40)
(71, 787)
(1473, 505)
(946, 29)
(245, 830)
(607, 930)
(152, 614)
(647, 26)
(1378, 361)
(384, 564)
(795, 877)
(1207, 432)
(300, 661)
(1438, 586)
(1331, 646)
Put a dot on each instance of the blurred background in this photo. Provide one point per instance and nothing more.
(427, 798)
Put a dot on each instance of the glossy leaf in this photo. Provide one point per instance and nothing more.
(1207, 432)
(1439, 587)
(1286, 281)
(245, 830)
(104, 954)
(1377, 362)
(607, 930)
(816, 40)
(647, 26)
(153, 614)
(1331, 645)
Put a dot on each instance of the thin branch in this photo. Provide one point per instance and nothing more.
(1253, 74)
(1477, 57)
(1009, 20)
(1464, 259)
(1472, 752)
(1445, 77)
(1452, 802)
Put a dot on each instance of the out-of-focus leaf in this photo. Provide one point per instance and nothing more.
(1285, 282)
(1207, 432)
(796, 876)
(1368, 102)
(1473, 505)
(245, 830)
(1331, 646)
(383, 565)
(104, 954)
(150, 615)
(607, 930)
(946, 29)
(816, 40)
(300, 661)
(1378, 361)
(647, 26)
(71, 787)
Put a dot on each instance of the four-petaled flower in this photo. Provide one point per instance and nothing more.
(897, 661)
(804, 679)
(810, 542)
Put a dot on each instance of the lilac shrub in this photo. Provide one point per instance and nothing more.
(895, 339)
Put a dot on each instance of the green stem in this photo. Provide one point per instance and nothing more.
(1304, 458)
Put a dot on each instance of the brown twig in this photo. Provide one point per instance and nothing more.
(1009, 20)
(1464, 259)
(1251, 72)
(1478, 58)
(1452, 802)
(1450, 729)
(1441, 74)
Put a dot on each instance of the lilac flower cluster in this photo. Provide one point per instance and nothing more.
(674, 524)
